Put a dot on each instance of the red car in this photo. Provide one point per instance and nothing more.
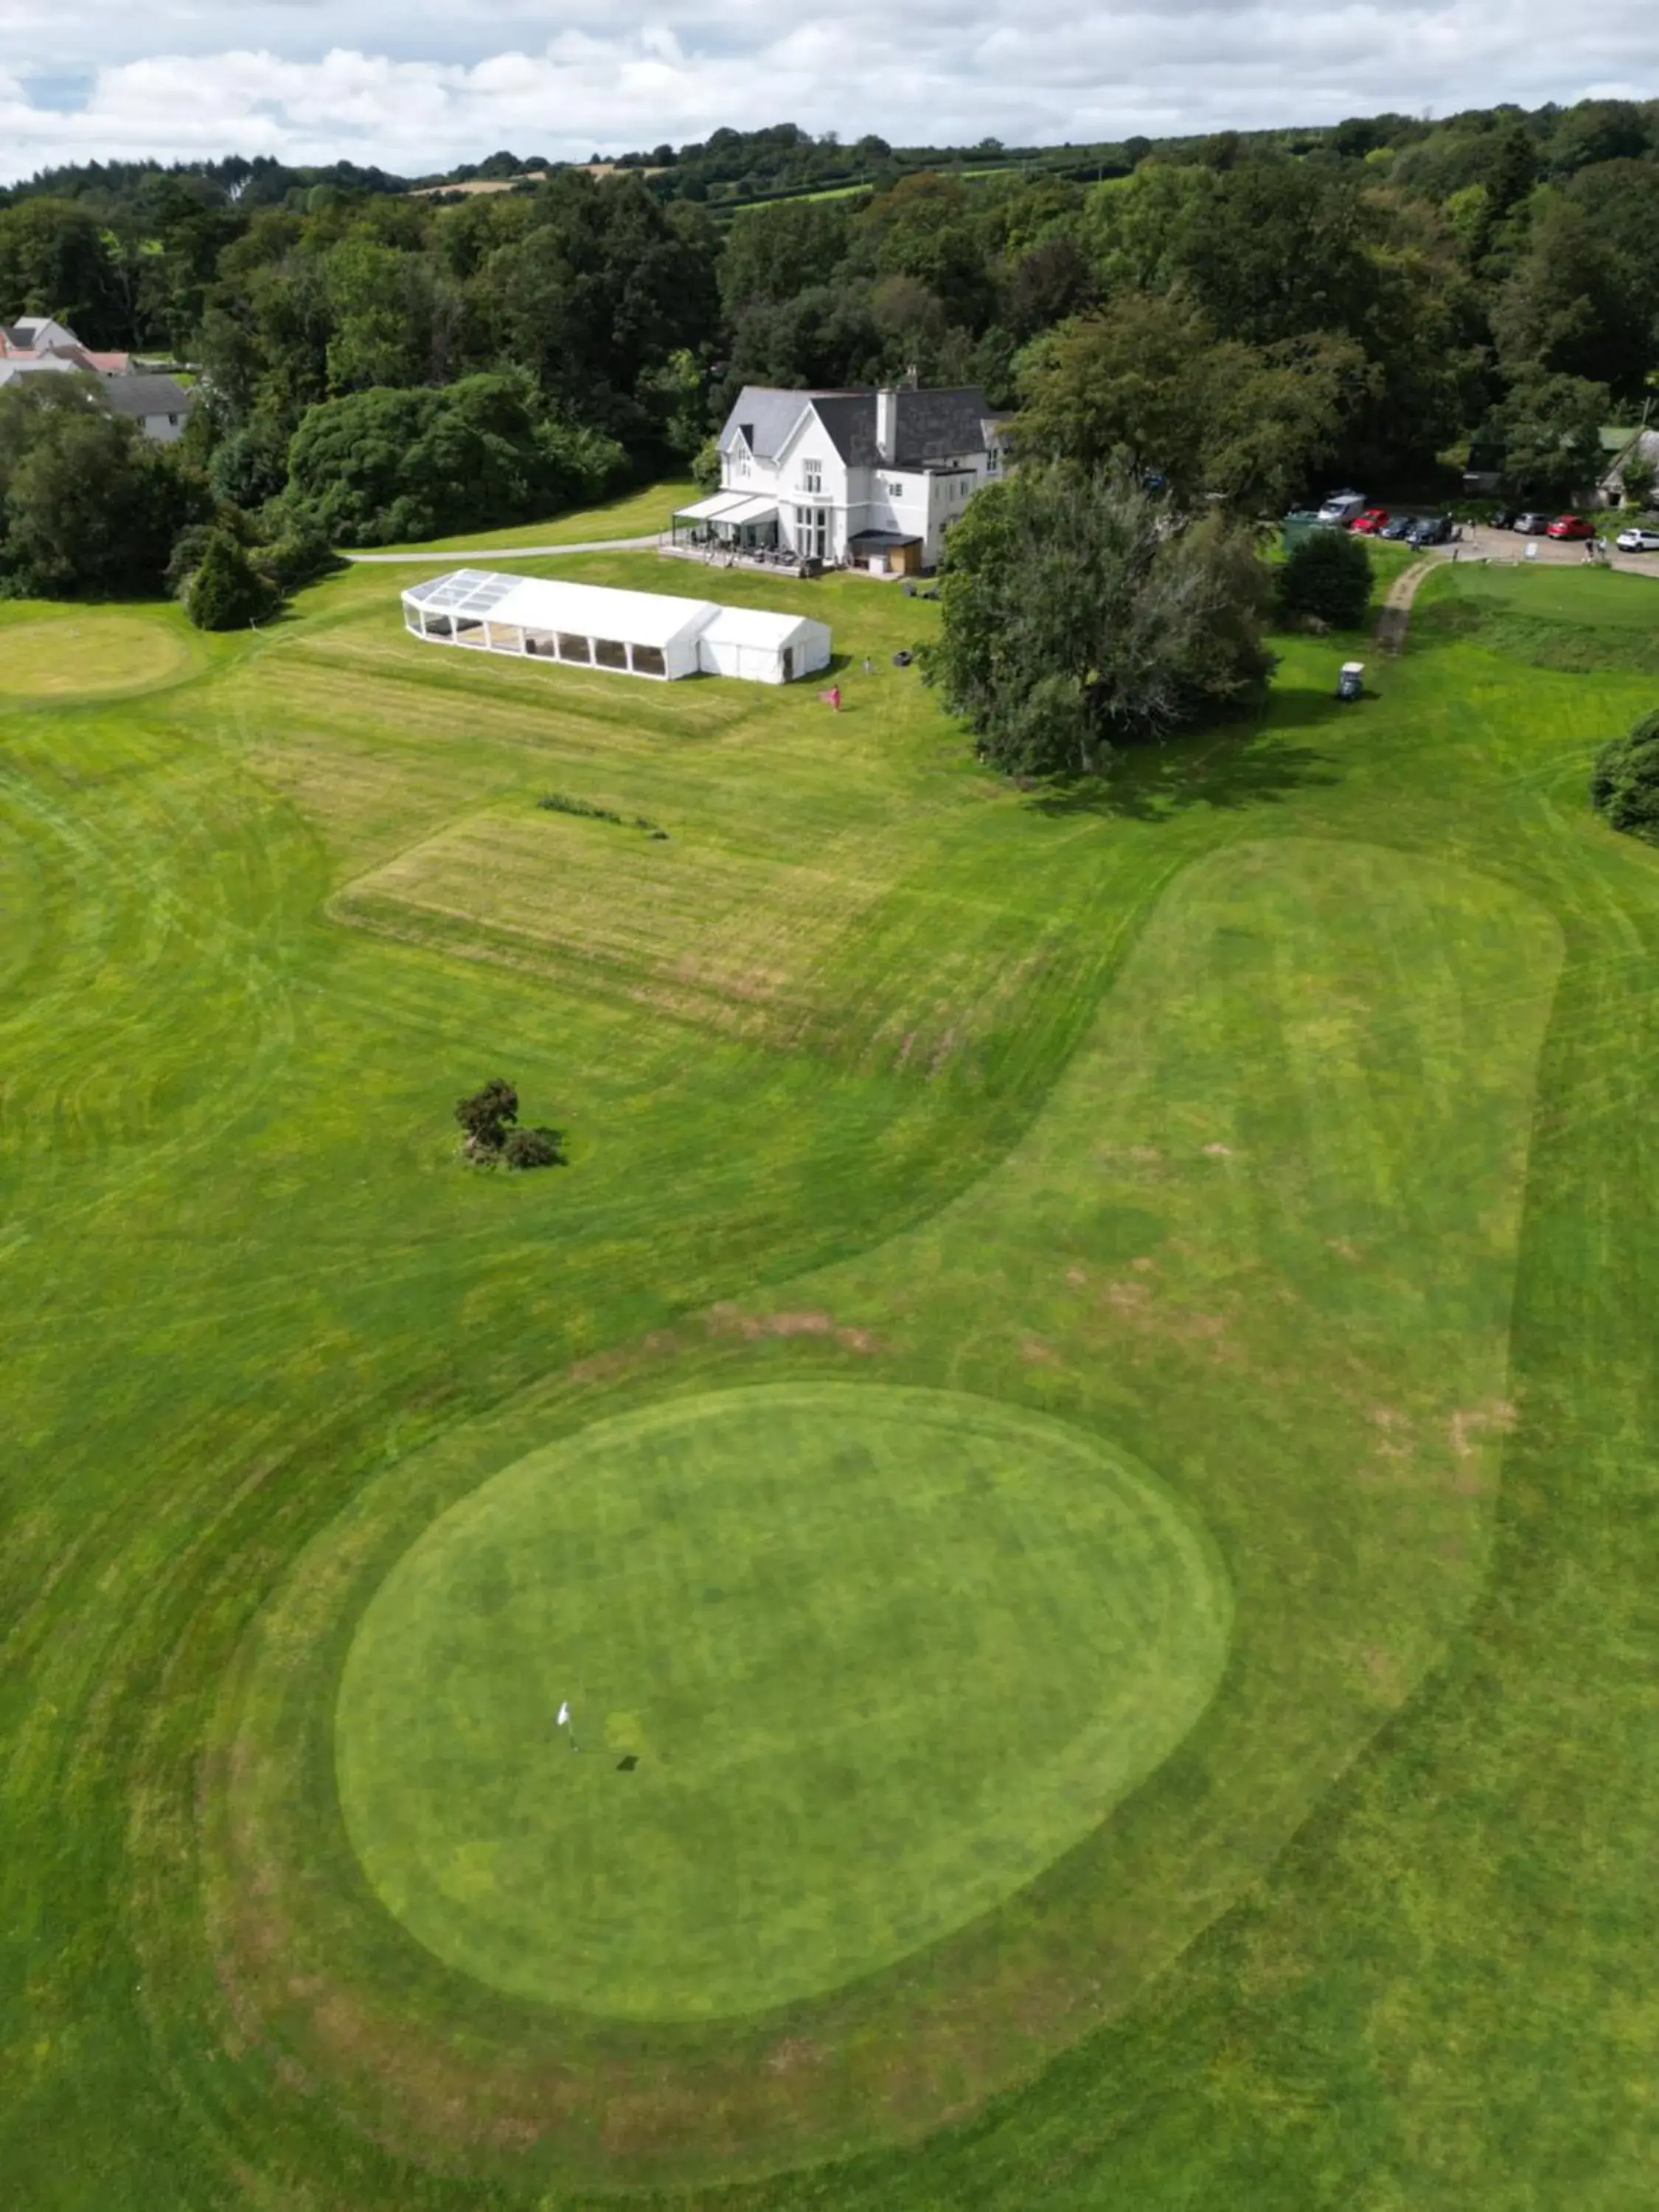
(1571, 525)
(1368, 525)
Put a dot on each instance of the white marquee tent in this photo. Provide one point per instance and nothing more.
(641, 633)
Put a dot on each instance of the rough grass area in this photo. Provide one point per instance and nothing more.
(1589, 621)
(1278, 1119)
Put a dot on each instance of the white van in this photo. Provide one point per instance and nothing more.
(1342, 507)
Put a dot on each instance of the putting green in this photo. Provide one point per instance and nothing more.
(881, 1657)
(86, 655)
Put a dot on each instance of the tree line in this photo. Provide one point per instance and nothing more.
(1230, 316)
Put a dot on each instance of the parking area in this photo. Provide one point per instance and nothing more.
(1481, 543)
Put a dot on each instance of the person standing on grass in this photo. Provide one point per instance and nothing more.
(833, 694)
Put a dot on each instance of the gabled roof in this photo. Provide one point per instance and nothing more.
(929, 426)
(146, 395)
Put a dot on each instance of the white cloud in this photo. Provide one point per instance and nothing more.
(423, 85)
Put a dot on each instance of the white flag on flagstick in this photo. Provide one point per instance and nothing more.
(563, 1720)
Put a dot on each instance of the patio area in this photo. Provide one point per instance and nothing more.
(735, 530)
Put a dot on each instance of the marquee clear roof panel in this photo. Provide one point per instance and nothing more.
(464, 592)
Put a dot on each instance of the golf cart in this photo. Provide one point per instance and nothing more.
(1351, 683)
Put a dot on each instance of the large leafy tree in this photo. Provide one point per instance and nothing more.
(1574, 307)
(384, 465)
(1079, 614)
(55, 260)
(1549, 430)
(772, 253)
(1147, 384)
(87, 506)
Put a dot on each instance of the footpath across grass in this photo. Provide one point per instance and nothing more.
(1270, 1129)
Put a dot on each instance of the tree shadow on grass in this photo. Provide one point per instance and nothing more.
(1254, 764)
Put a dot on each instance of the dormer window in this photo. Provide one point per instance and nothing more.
(993, 456)
(811, 476)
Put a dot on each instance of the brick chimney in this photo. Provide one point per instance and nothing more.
(887, 425)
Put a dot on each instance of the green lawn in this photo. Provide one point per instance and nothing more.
(881, 1656)
(630, 515)
(1085, 1409)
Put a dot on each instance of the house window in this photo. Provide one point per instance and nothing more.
(993, 458)
(811, 476)
(895, 491)
(743, 460)
(812, 531)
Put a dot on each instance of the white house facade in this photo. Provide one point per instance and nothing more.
(873, 478)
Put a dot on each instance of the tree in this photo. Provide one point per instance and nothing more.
(227, 592)
(54, 260)
(774, 252)
(1079, 613)
(1624, 784)
(1550, 430)
(1328, 577)
(87, 505)
(1146, 383)
(381, 465)
(486, 1117)
(1571, 307)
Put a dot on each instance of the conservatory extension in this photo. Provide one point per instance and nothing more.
(592, 626)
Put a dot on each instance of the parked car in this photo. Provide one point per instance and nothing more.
(1342, 507)
(1532, 525)
(1372, 522)
(1502, 518)
(1399, 530)
(1432, 530)
(1638, 540)
(1571, 525)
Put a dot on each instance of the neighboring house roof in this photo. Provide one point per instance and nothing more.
(141, 396)
(31, 364)
(929, 426)
(1644, 443)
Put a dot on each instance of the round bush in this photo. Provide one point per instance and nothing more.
(1624, 784)
(533, 1148)
(1328, 577)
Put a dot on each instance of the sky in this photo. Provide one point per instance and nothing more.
(417, 85)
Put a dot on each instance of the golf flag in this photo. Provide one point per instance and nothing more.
(563, 1721)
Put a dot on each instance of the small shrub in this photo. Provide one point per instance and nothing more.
(1327, 578)
(533, 1148)
(1624, 783)
(302, 556)
(227, 592)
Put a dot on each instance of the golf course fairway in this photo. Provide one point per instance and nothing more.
(881, 1655)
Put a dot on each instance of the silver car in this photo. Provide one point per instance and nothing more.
(1638, 541)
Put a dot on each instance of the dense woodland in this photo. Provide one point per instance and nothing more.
(1237, 316)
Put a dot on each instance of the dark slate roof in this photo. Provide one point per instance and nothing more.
(930, 425)
(146, 395)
